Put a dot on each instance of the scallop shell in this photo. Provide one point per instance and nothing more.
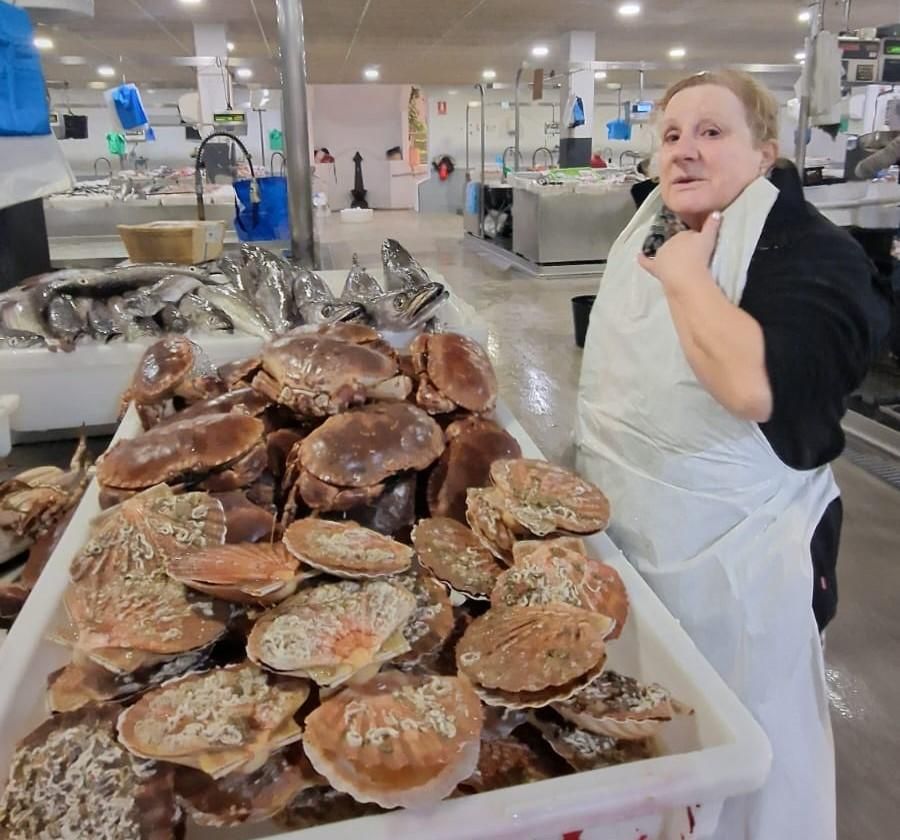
(545, 498)
(489, 522)
(523, 548)
(585, 750)
(505, 762)
(331, 631)
(120, 595)
(71, 778)
(531, 656)
(262, 573)
(345, 549)
(246, 797)
(399, 740)
(219, 721)
(431, 623)
(455, 556)
(556, 575)
(619, 707)
(320, 806)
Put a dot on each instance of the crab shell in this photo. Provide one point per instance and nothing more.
(318, 375)
(359, 450)
(179, 451)
(454, 372)
(242, 400)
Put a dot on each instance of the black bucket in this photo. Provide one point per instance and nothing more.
(581, 312)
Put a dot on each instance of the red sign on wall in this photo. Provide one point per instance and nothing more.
(442, 108)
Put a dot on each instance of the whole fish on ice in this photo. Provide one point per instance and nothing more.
(401, 269)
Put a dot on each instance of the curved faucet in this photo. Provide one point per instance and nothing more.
(518, 158)
(108, 163)
(541, 149)
(272, 163)
(635, 157)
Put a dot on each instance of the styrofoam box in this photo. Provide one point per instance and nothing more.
(716, 753)
(67, 390)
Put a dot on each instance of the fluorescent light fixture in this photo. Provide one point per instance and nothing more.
(452, 92)
(244, 73)
(192, 2)
(43, 43)
(804, 17)
(629, 9)
(474, 103)
(106, 70)
(229, 45)
(800, 56)
(97, 85)
(371, 73)
(600, 75)
(540, 50)
(677, 52)
(614, 86)
(489, 74)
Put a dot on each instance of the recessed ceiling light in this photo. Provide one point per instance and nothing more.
(192, 2)
(95, 85)
(489, 74)
(540, 50)
(804, 17)
(600, 75)
(677, 52)
(43, 43)
(244, 73)
(452, 92)
(371, 73)
(800, 56)
(229, 45)
(614, 86)
(106, 70)
(630, 9)
(474, 103)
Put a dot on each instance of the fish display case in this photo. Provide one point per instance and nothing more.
(58, 392)
(706, 757)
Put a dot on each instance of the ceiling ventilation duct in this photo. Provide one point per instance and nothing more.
(57, 11)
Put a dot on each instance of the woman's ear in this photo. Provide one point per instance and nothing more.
(769, 151)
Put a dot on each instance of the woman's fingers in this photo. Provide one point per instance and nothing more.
(647, 264)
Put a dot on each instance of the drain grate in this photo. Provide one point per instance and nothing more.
(881, 466)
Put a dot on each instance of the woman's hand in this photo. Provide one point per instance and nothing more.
(686, 256)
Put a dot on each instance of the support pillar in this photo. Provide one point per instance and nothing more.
(213, 83)
(575, 144)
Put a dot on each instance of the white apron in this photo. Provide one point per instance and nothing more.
(713, 520)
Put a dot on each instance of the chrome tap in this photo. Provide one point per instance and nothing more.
(518, 162)
(635, 157)
(108, 163)
(541, 149)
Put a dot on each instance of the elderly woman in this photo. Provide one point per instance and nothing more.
(729, 328)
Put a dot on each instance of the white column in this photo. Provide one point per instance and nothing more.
(575, 143)
(210, 39)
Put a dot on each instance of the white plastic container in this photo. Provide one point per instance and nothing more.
(357, 215)
(8, 404)
(716, 753)
(67, 390)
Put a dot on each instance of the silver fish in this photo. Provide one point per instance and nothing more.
(236, 274)
(360, 285)
(253, 254)
(142, 304)
(100, 322)
(308, 286)
(174, 287)
(127, 278)
(273, 296)
(172, 320)
(202, 315)
(19, 339)
(401, 269)
(63, 320)
(142, 328)
(330, 312)
(24, 311)
(239, 309)
(406, 309)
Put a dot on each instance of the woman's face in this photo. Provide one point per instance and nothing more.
(708, 154)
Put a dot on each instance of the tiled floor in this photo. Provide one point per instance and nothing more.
(531, 343)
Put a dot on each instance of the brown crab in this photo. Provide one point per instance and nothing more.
(346, 461)
(239, 401)
(473, 444)
(317, 375)
(224, 451)
(454, 372)
(173, 367)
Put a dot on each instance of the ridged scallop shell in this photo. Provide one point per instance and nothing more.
(219, 721)
(619, 707)
(431, 623)
(531, 656)
(546, 498)
(247, 573)
(489, 522)
(455, 556)
(332, 631)
(399, 740)
(556, 575)
(345, 549)
(505, 762)
(71, 778)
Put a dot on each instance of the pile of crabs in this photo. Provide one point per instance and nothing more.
(325, 584)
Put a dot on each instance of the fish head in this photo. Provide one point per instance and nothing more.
(308, 286)
(360, 285)
(407, 309)
(331, 312)
(401, 269)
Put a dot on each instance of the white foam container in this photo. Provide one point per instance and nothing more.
(63, 391)
(716, 753)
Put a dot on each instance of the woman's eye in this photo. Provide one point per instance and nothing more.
(671, 138)
(711, 132)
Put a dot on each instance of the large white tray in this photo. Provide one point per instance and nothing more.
(60, 391)
(717, 753)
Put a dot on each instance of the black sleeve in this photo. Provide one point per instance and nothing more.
(824, 317)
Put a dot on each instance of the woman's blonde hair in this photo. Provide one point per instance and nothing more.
(759, 103)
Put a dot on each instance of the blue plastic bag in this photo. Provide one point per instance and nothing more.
(472, 190)
(267, 221)
(619, 130)
(577, 113)
(23, 95)
(126, 99)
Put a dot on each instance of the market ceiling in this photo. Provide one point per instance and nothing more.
(434, 42)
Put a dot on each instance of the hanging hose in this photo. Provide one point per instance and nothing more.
(255, 197)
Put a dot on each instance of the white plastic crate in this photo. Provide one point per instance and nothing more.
(67, 390)
(716, 753)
